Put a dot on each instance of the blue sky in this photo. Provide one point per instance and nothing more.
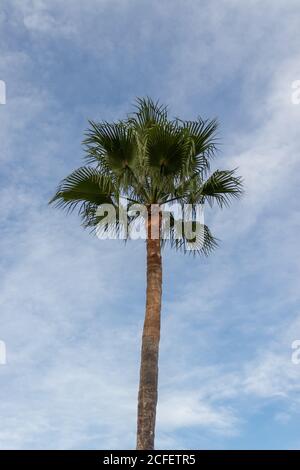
(72, 306)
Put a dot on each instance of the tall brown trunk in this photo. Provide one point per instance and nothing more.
(147, 398)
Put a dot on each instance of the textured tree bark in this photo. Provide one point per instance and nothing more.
(147, 398)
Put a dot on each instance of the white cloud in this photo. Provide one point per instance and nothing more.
(186, 409)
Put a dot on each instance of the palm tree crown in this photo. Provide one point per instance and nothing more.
(149, 159)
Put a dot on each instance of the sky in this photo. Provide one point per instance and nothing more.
(72, 306)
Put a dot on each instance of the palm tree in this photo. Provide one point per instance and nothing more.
(150, 160)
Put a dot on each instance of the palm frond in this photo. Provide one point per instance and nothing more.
(112, 145)
(148, 113)
(221, 186)
(203, 142)
(85, 187)
(167, 148)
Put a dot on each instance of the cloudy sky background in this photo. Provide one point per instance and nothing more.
(72, 306)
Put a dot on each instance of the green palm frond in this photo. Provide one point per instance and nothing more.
(85, 187)
(203, 133)
(111, 144)
(148, 113)
(203, 138)
(221, 187)
(167, 148)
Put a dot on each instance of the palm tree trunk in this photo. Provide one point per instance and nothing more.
(147, 398)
